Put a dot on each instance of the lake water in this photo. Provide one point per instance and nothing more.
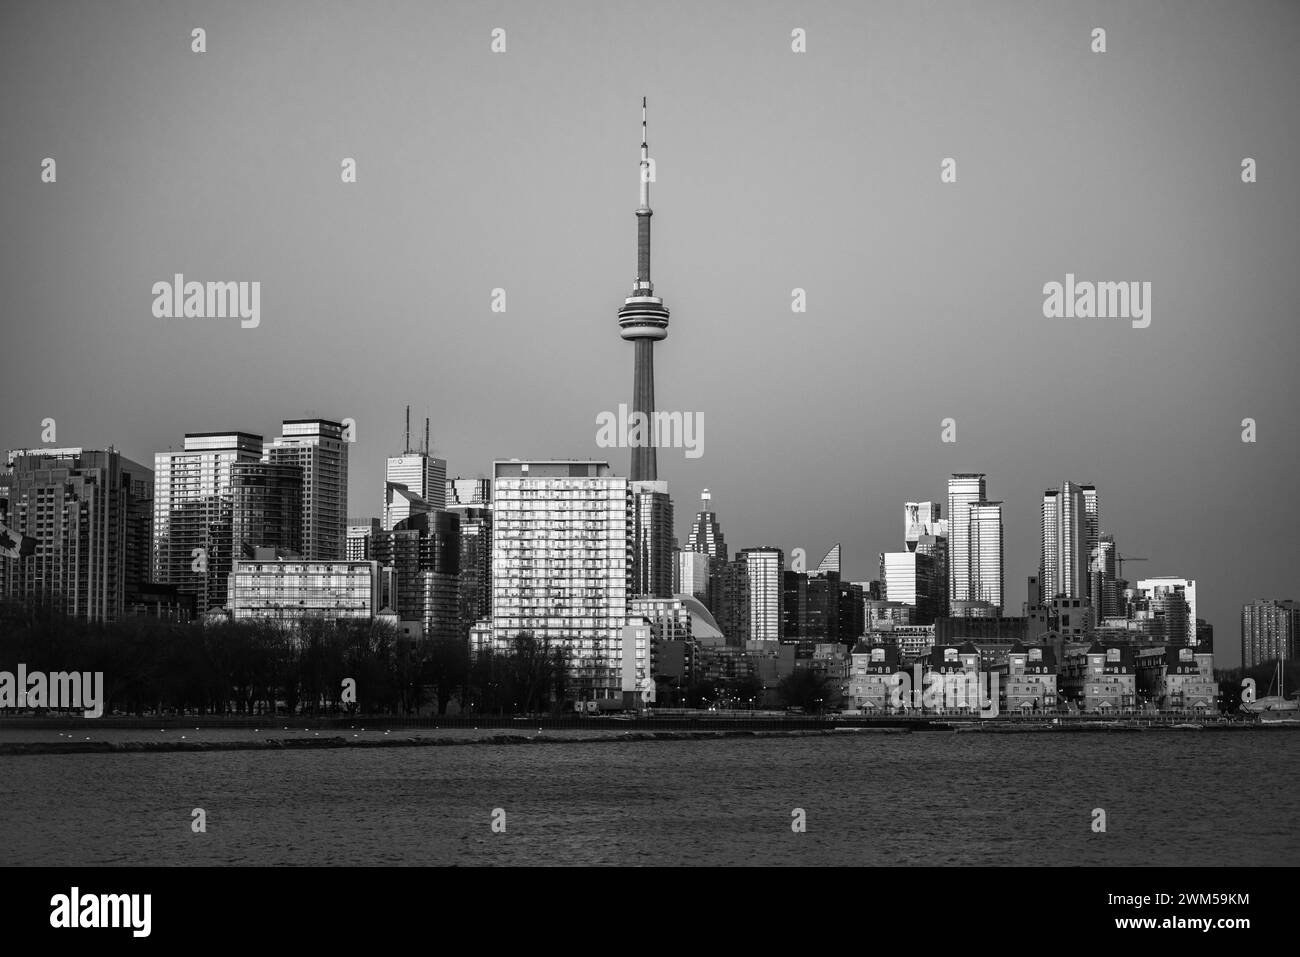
(1195, 799)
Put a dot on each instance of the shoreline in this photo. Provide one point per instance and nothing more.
(600, 736)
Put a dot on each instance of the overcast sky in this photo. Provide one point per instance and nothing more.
(775, 170)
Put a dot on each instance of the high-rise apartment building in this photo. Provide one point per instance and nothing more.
(88, 512)
(1069, 536)
(1091, 517)
(652, 540)
(986, 553)
(964, 490)
(267, 507)
(764, 572)
(317, 447)
(561, 563)
(1168, 606)
(194, 513)
(729, 585)
(1104, 591)
(1270, 630)
(475, 564)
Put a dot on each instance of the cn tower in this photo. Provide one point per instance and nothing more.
(643, 319)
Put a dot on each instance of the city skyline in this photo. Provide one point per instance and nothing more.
(385, 292)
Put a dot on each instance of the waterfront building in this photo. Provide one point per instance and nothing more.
(1270, 630)
(871, 678)
(291, 590)
(1099, 677)
(1027, 679)
(1176, 677)
(561, 563)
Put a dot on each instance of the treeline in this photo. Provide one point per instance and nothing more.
(259, 667)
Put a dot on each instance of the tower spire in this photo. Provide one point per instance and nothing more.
(645, 166)
(643, 318)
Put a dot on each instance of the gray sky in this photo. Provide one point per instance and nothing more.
(775, 170)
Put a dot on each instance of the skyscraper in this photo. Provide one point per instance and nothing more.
(471, 499)
(267, 508)
(1169, 604)
(926, 533)
(706, 534)
(413, 482)
(1091, 519)
(194, 513)
(1104, 591)
(561, 564)
(424, 553)
(84, 510)
(643, 319)
(1069, 536)
(1269, 630)
(693, 576)
(471, 491)
(922, 518)
(908, 577)
(652, 540)
(986, 553)
(317, 447)
(830, 563)
(475, 564)
(360, 531)
(764, 567)
(964, 490)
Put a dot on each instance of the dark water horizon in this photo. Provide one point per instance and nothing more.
(1192, 800)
